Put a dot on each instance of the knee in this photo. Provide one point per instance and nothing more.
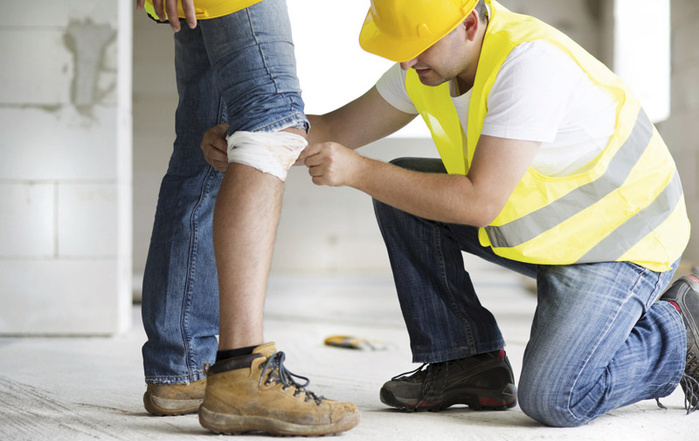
(381, 210)
(547, 404)
(273, 153)
(425, 165)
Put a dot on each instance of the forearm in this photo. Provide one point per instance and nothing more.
(358, 123)
(441, 197)
(330, 127)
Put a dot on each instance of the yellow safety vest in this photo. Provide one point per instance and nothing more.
(628, 205)
(207, 8)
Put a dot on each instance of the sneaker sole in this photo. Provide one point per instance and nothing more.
(477, 399)
(169, 407)
(237, 425)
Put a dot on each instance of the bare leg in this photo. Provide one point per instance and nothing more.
(245, 226)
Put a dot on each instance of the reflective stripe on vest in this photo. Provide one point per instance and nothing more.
(528, 227)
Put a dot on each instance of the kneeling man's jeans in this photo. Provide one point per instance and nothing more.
(599, 340)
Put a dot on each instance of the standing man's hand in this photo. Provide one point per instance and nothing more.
(170, 7)
(215, 147)
(333, 164)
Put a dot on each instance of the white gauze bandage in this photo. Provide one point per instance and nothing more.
(272, 153)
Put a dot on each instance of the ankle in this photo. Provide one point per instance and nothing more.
(230, 353)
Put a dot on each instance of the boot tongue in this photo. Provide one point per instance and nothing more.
(267, 349)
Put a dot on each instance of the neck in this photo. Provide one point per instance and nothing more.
(466, 79)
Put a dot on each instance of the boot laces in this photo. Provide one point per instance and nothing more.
(410, 374)
(278, 373)
(431, 371)
(428, 368)
(691, 393)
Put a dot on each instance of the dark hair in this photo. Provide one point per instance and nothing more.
(482, 11)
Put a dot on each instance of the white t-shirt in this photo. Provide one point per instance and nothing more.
(541, 95)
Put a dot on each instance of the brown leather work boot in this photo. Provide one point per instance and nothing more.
(174, 399)
(256, 393)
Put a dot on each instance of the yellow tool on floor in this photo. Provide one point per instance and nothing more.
(348, 342)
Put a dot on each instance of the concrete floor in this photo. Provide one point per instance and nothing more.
(91, 388)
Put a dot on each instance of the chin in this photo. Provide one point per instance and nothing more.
(431, 82)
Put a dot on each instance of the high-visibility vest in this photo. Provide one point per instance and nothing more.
(206, 8)
(628, 205)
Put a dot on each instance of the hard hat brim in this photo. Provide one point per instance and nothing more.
(372, 40)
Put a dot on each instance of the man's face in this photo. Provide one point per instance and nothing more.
(440, 62)
(455, 55)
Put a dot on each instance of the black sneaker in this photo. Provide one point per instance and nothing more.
(684, 296)
(482, 382)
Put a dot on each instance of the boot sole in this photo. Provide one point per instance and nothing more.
(169, 407)
(502, 399)
(237, 424)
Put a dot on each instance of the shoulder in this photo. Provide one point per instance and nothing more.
(539, 56)
(391, 86)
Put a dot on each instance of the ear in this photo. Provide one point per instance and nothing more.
(472, 24)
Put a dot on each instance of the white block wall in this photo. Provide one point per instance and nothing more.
(65, 167)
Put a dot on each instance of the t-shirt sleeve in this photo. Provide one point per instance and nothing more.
(532, 93)
(391, 87)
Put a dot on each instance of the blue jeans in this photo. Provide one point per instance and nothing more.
(238, 69)
(599, 340)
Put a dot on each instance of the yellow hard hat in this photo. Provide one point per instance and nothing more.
(400, 30)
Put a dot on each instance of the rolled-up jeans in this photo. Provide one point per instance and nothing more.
(599, 339)
(238, 69)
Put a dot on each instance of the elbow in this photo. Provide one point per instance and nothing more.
(482, 217)
(489, 214)
(483, 221)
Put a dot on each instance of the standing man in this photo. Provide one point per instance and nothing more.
(236, 63)
(549, 167)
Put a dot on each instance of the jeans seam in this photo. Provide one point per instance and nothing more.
(259, 48)
(437, 230)
(191, 264)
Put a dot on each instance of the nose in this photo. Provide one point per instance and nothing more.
(408, 64)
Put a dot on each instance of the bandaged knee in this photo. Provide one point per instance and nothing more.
(272, 153)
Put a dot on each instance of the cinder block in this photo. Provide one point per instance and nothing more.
(76, 297)
(684, 12)
(27, 220)
(87, 220)
(58, 144)
(37, 67)
(685, 51)
(52, 13)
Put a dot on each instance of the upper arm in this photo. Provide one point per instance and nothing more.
(499, 164)
(362, 121)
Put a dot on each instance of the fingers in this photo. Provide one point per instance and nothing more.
(189, 13)
(318, 162)
(169, 7)
(215, 147)
(159, 9)
(139, 4)
(173, 16)
(332, 164)
(312, 154)
(301, 160)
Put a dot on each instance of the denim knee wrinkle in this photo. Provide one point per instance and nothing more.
(238, 69)
(599, 341)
